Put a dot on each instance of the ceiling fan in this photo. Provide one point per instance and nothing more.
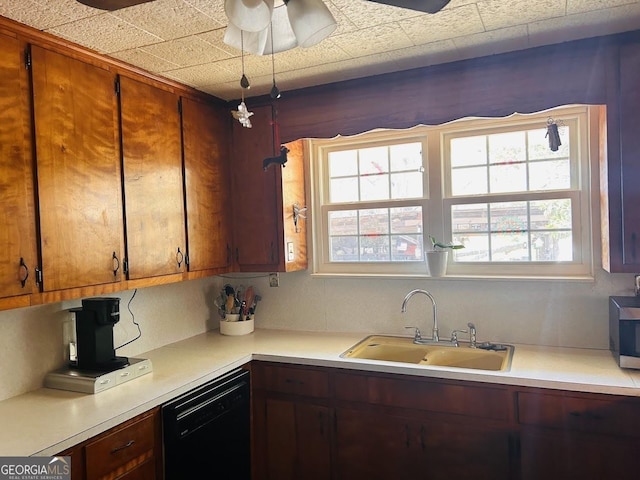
(428, 6)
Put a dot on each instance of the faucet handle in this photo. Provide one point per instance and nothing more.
(454, 336)
(416, 333)
(472, 335)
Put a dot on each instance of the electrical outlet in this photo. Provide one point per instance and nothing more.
(290, 253)
(274, 279)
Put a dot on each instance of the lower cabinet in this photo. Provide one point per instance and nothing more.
(291, 421)
(131, 451)
(330, 423)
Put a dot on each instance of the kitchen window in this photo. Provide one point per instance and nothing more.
(493, 185)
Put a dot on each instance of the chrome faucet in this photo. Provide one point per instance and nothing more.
(435, 336)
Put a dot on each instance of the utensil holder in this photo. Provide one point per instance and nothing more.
(236, 327)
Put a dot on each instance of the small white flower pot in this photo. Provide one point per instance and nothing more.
(436, 262)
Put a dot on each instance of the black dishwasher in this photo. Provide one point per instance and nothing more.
(206, 431)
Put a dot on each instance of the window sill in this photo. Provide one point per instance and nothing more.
(484, 278)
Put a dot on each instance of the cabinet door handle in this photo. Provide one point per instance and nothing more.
(228, 254)
(293, 381)
(586, 415)
(179, 257)
(122, 447)
(23, 266)
(116, 264)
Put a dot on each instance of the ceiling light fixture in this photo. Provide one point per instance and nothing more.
(275, 91)
(295, 23)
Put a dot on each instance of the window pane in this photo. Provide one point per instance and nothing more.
(407, 156)
(406, 248)
(539, 144)
(406, 220)
(469, 181)
(550, 175)
(343, 249)
(343, 190)
(343, 223)
(406, 185)
(374, 160)
(374, 221)
(374, 248)
(507, 147)
(526, 231)
(469, 151)
(374, 187)
(508, 178)
(343, 164)
(551, 214)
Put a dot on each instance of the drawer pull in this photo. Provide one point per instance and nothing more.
(293, 381)
(586, 415)
(125, 374)
(122, 447)
(104, 381)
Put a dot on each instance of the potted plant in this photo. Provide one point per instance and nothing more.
(438, 256)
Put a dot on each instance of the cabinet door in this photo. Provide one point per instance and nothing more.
(152, 164)
(205, 136)
(255, 190)
(295, 439)
(374, 446)
(572, 455)
(78, 162)
(626, 256)
(17, 216)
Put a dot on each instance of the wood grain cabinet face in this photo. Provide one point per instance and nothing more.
(625, 257)
(78, 162)
(578, 436)
(17, 214)
(292, 423)
(153, 182)
(263, 199)
(205, 136)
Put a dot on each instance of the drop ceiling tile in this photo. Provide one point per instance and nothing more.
(142, 59)
(211, 8)
(216, 39)
(425, 55)
(254, 65)
(380, 38)
(109, 34)
(365, 14)
(497, 14)
(203, 74)
(324, 52)
(582, 6)
(493, 42)
(168, 19)
(456, 22)
(41, 14)
(584, 25)
(186, 52)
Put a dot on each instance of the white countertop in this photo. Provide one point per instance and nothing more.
(46, 421)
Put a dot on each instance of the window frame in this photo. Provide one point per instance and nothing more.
(437, 200)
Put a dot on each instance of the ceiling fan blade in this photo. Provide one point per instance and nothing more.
(112, 4)
(428, 6)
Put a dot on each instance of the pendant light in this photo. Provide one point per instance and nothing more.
(249, 15)
(311, 21)
(275, 91)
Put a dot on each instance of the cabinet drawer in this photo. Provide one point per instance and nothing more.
(122, 450)
(291, 380)
(425, 394)
(607, 415)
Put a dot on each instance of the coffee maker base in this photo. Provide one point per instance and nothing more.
(109, 366)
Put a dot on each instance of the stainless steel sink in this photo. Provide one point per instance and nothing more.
(402, 350)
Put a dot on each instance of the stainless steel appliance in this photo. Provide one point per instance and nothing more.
(94, 334)
(624, 330)
(206, 431)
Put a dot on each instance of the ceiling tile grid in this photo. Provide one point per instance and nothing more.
(183, 39)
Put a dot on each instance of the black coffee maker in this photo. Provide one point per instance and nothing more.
(94, 334)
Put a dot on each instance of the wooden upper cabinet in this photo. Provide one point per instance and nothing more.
(78, 163)
(206, 130)
(624, 171)
(264, 233)
(17, 215)
(153, 185)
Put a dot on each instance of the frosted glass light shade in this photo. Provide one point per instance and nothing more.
(249, 15)
(310, 20)
(259, 43)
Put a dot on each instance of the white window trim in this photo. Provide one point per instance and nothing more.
(437, 218)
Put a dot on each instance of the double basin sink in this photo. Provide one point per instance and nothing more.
(402, 350)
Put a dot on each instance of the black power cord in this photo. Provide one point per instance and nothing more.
(133, 319)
